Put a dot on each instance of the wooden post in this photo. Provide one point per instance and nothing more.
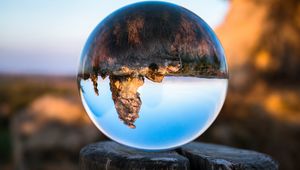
(194, 156)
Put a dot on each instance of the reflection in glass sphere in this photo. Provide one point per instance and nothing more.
(153, 76)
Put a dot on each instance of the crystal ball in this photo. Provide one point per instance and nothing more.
(152, 76)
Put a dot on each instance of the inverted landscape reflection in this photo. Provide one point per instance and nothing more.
(173, 112)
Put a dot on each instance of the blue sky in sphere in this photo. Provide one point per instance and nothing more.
(47, 36)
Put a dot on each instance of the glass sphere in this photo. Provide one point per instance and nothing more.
(152, 76)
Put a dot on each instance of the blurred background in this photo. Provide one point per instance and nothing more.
(43, 124)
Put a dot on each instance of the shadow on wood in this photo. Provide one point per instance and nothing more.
(193, 156)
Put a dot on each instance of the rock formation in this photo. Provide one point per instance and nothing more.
(149, 40)
(124, 85)
(261, 39)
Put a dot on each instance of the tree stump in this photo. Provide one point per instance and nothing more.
(193, 156)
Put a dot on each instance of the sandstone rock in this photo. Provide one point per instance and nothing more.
(124, 88)
(126, 98)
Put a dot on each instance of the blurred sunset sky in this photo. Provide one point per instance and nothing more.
(46, 37)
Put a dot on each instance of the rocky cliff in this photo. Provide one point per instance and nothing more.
(262, 42)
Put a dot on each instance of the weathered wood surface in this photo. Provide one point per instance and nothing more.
(113, 156)
(211, 156)
(194, 156)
